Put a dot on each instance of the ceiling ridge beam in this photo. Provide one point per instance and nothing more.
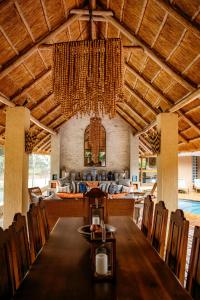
(45, 39)
(163, 64)
(187, 24)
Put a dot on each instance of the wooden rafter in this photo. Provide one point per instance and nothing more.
(181, 19)
(150, 53)
(134, 112)
(138, 126)
(142, 101)
(124, 117)
(177, 106)
(9, 103)
(141, 16)
(46, 39)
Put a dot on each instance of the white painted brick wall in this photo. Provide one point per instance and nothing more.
(117, 144)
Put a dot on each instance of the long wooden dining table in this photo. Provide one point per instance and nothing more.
(63, 269)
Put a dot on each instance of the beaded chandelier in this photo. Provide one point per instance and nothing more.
(87, 77)
(95, 137)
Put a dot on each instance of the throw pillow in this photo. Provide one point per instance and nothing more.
(125, 182)
(113, 189)
(63, 181)
(125, 189)
(82, 187)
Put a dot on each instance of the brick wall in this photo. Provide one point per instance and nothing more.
(117, 144)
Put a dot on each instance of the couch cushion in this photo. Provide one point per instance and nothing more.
(69, 195)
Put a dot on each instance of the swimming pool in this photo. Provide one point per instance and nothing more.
(189, 206)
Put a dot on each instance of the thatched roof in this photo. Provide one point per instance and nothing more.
(162, 70)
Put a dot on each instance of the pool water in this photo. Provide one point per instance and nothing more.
(189, 206)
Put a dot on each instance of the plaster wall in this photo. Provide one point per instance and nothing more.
(117, 144)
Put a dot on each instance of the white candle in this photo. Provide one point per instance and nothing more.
(96, 220)
(101, 263)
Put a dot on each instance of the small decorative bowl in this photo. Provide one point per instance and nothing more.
(86, 232)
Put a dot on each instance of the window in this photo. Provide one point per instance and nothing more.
(88, 149)
(39, 170)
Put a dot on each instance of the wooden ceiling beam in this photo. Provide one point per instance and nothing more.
(136, 113)
(123, 116)
(42, 140)
(46, 39)
(136, 125)
(142, 101)
(102, 13)
(179, 17)
(185, 100)
(144, 146)
(132, 70)
(151, 53)
(9, 103)
(179, 104)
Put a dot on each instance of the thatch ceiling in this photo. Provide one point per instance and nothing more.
(158, 74)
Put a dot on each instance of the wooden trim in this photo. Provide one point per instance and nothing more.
(150, 53)
(49, 37)
(196, 127)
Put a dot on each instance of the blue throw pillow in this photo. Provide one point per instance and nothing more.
(82, 187)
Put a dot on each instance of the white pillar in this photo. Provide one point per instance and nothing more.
(167, 160)
(134, 156)
(55, 155)
(16, 164)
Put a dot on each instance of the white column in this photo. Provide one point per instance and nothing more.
(134, 156)
(167, 160)
(55, 155)
(16, 164)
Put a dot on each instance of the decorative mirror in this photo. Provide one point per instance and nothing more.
(95, 144)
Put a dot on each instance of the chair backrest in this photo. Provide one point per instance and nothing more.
(96, 193)
(36, 191)
(44, 224)
(34, 228)
(93, 197)
(159, 229)
(147, 216)
(7, 286)
(193, 279)
(177, 244)
(20, 248)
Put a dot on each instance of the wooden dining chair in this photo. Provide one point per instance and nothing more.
(19, 248)
(34, 228)
(90, 198)
(159, 229)
(7, 285)
(147, 216)
(193, 278)
(177, 244)
(43, 221)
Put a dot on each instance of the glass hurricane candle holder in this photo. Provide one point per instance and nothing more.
(103, 256)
